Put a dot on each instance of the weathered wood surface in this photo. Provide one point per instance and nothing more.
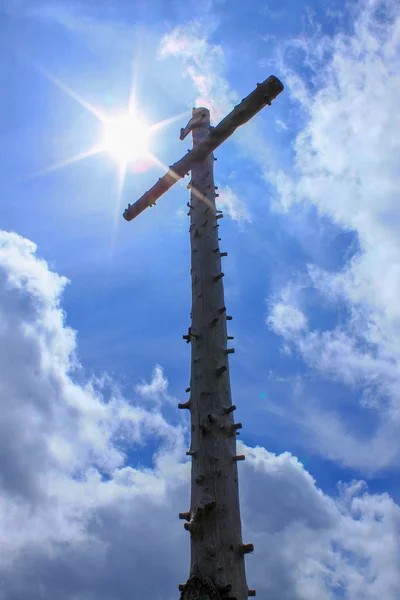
(262, 96)
(217, 551)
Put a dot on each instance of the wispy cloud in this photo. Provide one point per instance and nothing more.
(346, 166)
(232, 205)
(202, 62)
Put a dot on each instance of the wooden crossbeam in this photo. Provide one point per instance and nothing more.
(259, 98)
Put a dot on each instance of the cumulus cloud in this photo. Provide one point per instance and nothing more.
(78, 520)
(346, 165)
(64, 478)
(310, 545)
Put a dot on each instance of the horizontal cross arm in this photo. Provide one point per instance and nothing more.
(175, 172)
(263, 95)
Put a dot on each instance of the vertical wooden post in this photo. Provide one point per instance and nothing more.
(217, 568)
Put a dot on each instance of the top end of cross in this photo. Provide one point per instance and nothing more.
(199, 115)
(275, 87)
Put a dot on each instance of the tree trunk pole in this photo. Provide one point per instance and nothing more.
(217, 569)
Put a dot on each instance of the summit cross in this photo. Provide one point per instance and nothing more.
(217, 568)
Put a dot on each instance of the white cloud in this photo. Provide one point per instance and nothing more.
(78, 521)
(281, 124)
(346, 165)
(285, 318)
(338, 355)
(157, 389)
(231, 204)
(204, 64)
(307, 544)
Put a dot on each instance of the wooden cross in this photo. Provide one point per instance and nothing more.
(217, 570)
(262, 96)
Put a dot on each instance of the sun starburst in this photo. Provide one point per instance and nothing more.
(126, 136)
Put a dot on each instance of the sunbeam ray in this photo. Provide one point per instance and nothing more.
(71, 93)
(109, 141)
(169, 121)
(198, 194)
(67, 161)
(122, 168)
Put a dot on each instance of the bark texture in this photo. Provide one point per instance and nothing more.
(217, 568)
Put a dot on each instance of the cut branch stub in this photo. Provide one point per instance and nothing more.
(185, 516)
(232, 430)
(184, 404)
(230, 409)
(224, 589)
(239, 457)
(246, 548)
(191, 526)
(220, 371)
(230, 351)
(251, 592)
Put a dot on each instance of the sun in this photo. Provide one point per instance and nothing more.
(126, 137)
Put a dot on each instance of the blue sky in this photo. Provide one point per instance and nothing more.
(93, 308)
